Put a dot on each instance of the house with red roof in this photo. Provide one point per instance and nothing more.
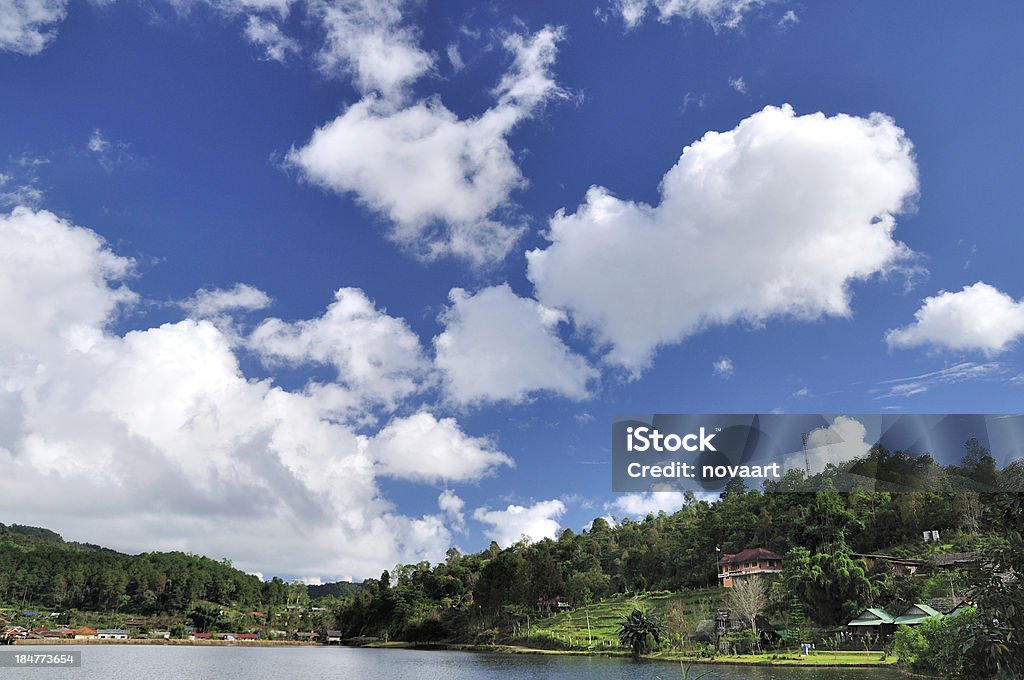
(733, 568)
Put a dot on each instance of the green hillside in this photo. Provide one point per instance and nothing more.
(40, 570)
(596, 625)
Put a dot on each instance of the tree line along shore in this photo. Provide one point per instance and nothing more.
(842, 552)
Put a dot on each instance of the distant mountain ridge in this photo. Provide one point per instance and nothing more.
(39, 568)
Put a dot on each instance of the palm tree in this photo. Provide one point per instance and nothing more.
(638, 629)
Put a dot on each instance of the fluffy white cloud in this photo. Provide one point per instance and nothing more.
(376, 355)
(243, 297)
(424, 449)
(836, 444)
(535, 522)
(498, 346)
(268, 36)
(436, 177)
(58, 283)
(645, 503)
(776, 217)
(718, 13)
(452, 506)
(978, 318)
(26, 26)
(156, 439)
(368, 40)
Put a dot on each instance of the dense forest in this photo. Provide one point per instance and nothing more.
(39, 569)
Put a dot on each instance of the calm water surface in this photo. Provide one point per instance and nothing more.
(117, 662)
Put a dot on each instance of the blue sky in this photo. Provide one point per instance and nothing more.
(521, 248)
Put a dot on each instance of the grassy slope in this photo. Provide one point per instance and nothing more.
(569, 630)
(605, 616)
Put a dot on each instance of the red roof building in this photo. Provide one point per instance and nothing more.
(733, 568)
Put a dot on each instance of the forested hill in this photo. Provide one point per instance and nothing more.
(819, 535)
(339, 589)
(39, 569)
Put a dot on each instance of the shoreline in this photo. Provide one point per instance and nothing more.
(670, 657)
(666, 657)
(170, 642)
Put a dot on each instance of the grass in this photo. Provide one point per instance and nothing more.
(791, 658)
(569, 629)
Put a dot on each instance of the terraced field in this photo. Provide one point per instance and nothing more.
(596, 626)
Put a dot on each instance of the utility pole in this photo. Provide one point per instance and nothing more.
(807, 461)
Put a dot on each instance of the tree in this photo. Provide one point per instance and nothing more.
(749, 597)
(204, 617)
(638, 629)
(993, 642)
(675, 621)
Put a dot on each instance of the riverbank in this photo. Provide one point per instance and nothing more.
(815, 660)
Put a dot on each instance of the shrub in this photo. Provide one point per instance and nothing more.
(908, 645)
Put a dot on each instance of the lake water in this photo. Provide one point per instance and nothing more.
(123, 662)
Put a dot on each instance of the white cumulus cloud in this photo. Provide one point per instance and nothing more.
(840, 442)
(212, 302)
(452, 506)
(497, 346)
(515, 522)
(156, 439)
(775, 218)
(979, 318)
(648, 502)
(371, 41)
(437, 178)
(422, 448)
(375, 355)
(58, 283)
(27, 26)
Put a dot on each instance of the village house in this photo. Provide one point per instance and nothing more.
(878, 620)
(112, 634)
(733, 568)
(955, 560)
(62, 632)
(897, 565)
(552, 604)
